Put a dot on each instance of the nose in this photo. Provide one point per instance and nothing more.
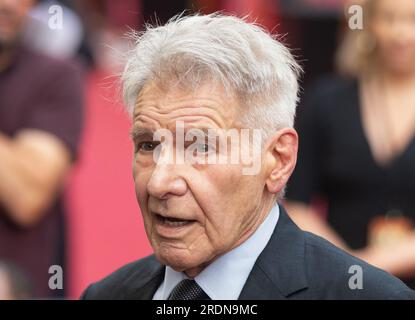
(166, 182)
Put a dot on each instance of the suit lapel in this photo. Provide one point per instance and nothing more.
(145, 287)
(280, 269)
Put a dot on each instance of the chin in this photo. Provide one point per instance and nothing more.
(178, 259)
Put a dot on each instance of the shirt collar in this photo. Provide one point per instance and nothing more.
(224, 278)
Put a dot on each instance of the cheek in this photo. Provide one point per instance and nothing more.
(140, 183)
(141, 178)
(226, 198)
(140, 187)
(384, 42)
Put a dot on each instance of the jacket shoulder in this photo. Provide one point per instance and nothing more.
(334, 274)
(123, 281)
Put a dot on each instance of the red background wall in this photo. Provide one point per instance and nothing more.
(105, 228)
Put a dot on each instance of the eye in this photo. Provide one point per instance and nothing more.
(147, 146)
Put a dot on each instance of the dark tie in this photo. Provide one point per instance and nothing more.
(188, 289)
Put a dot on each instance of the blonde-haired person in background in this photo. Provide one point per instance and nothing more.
(357, 143)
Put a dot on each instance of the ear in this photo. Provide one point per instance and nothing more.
(281, 157)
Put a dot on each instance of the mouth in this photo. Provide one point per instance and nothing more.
(172, 222)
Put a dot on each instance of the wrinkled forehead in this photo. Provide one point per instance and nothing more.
(209, 101)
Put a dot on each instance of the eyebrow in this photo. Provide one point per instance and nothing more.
(138, 131)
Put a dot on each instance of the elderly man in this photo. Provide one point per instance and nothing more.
(207, 196)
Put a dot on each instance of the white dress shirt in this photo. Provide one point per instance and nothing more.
(225, 277)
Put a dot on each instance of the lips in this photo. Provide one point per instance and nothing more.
(172, 221)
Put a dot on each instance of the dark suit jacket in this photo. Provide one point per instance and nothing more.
(294, 265)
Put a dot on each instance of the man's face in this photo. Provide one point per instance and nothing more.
(12, 17)
(193, 212)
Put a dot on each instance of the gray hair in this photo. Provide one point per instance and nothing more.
(243, 57)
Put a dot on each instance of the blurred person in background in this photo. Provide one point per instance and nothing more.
(40, 124)
(14, 283)
(357, 145)
(59, 41)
